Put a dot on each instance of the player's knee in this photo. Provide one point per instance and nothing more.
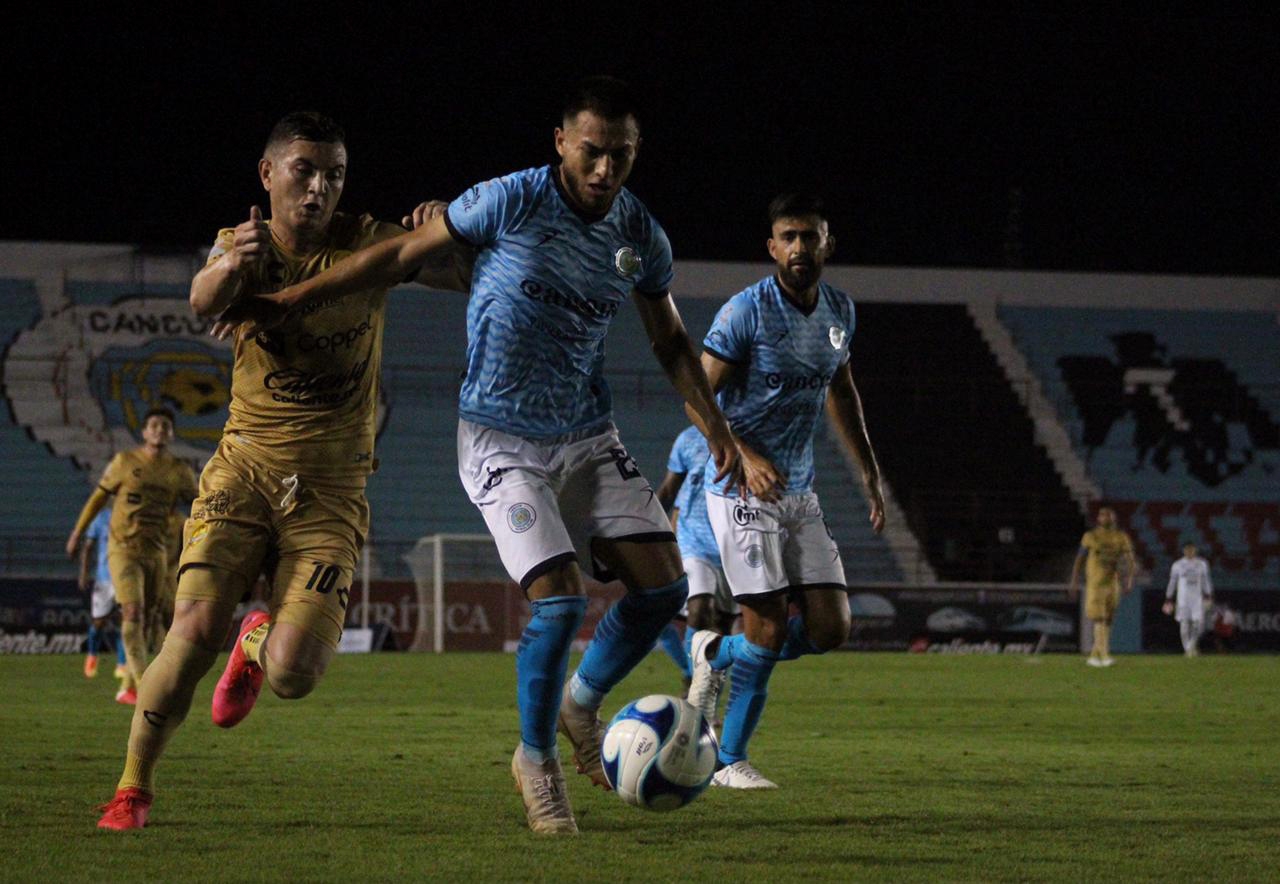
(828, 635)
(289, 684)
(702, 613)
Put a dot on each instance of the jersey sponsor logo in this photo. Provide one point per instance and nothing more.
(837, 337)
(744, 515)
(316, 389)
(754, 556)
(471, 199)
(589, 308)
(520, 517)
(776, 380)
(339, 340)
(626, 263)
(115, 362)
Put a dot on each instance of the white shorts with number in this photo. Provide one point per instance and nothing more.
(102, 600)
(708, 579)
(545, 501)
(767, 547)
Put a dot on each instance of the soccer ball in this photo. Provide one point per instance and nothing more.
(659, 753)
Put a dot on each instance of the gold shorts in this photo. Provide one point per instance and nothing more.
(1100, 603)
(304, 533)
(139, 576)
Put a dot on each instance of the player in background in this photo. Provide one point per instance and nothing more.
(95, 579)
(284, 492)
(1189, 580)
(1107, 554)
(561, 248)
(711, 605)
(146, 483)
(777, 354)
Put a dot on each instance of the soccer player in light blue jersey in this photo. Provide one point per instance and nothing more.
(561, 248)
(777, 354)
(102, 601)
(711, 605)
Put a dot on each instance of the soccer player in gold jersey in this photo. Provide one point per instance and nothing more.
(1107, 554)
(284, 493)
(147, 483)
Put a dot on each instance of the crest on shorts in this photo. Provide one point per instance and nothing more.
(836, 336)
(520, 517)
(755, 555)
(626, 263)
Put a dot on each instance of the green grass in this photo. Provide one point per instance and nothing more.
(893, 767)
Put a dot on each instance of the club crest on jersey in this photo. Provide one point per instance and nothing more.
(520, 517)
(837, 337)
(626, 263)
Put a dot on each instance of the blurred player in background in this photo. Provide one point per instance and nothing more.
(776, 354)
(1107, 553)
(95, 578)
(284, 493)
(711, 605)
(561, 248)
(146, 483)
(1189, 581)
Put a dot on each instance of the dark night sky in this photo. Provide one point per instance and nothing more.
(1068, 142)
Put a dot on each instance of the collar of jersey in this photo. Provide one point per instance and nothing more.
(786, 296)
(584, 217)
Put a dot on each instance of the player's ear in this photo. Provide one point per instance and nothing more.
(772, 246)
(264, 173)
(560, 141)
(831, 248)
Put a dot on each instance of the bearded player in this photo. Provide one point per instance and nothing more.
(284, 493)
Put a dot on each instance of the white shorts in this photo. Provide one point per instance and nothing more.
(545, 501)
(102, 599)
(707, 579)
(768, 547)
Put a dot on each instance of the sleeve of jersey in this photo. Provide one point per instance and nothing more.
(111, 478)
(675, 463)
(483, 212)
(222, 244)
(730, 335)
(658, 268)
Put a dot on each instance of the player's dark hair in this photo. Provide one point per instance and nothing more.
(159, 411)
(796, 205)
(604, 96)
(305, 126)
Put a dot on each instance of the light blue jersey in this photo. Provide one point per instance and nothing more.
(99, 530)
(787, 359)
(546, 284)
(689, 455)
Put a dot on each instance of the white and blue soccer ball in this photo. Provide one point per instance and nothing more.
(659, 753)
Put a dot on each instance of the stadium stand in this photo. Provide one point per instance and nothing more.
(958, 448)
(1174, 412)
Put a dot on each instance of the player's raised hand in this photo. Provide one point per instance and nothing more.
(252, 240)
(425, 212)
(875, 496)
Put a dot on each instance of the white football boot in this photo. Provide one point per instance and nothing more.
(585, 731)
(741, 775)
(546, 799)
(704, 688)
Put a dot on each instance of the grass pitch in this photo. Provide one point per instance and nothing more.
(892, 767)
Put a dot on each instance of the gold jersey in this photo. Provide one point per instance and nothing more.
(1107, 547)
(304, 394)
(146, 490)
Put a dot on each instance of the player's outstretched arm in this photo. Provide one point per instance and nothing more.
(450, 270)
(97, 500)
(379, 266)
(844, 406)
(675, 354)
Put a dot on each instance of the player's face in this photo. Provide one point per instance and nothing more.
(800, 247)
(157, 431)
(305, 179)
(1106, 518)
(1189, 550)
(596, 157)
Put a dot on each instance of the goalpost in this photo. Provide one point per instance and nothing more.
(467, 557)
